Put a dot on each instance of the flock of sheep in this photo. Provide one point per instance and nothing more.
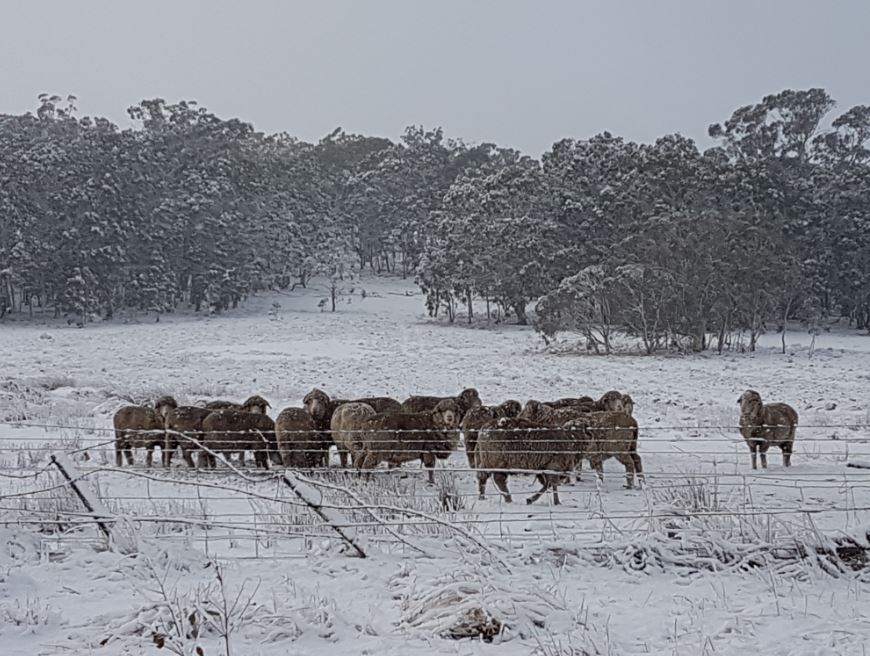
(549, 439)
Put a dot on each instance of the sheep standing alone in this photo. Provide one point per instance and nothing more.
(477, 418)
(766, 425)
(141, 427)
(300, 443)
(512, 445)
(233, 431)
(403, 437)
(345, 427)
(467, 399)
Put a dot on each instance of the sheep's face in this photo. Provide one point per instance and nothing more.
(470, 398)
(316, 402)
(627, 405)
(256, 405)
(533, 410)
(612, 401)
(164, 405)
(750, 402)
(447, 414)
(509, 409)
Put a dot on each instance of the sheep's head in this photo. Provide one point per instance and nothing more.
(468, 399)
(164, 405)
(509, 408)
(611, 401)
(316, 403)
(750, 402)
(256, 405)
(447, 414)
(534, 411)
(628, 405)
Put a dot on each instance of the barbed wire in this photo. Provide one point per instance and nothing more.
(856, 425)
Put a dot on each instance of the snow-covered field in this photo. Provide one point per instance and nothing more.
(708, 558)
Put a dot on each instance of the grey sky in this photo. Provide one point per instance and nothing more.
(521, 74)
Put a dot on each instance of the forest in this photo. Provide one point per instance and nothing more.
(679, 247)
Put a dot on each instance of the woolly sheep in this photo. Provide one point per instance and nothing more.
(511, 445)
(403, 437)
(141, 427)
(764, 425)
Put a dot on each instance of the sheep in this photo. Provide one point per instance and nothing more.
(345, 428)
(182, 422)
(764, 425)
(254, 404)
(628, 405)
(322, 407)
(610, 435)
(609, 428)
(544, 413)
(569, 402)
(402, 437)
(510, 445)
(475, 419)
(300, 443)
(467, 399)
(141, 427)
(235, 431)
(221, 405)
(380, 404)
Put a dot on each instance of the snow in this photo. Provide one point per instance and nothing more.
(577, 566)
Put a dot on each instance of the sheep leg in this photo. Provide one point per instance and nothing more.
(119, 458)
(128, 453)
(149, 456)
(638, 468)
(628, 462)
(598, 466)
(786, 454)
(763, 450)
(343, 457)
(166, 450)
(544, 479)
(753, 450)
(429, 463)
(577, 470)
(470, 446)
(369, 462)
(500, 480)
(242, 457)
(482, 478)
(188, 458)
(554, 481)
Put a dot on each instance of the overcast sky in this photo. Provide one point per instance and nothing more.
(518, 73)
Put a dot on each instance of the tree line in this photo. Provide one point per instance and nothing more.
(678, 247)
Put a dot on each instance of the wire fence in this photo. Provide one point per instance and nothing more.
(691, 483)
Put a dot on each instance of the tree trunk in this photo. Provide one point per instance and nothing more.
(468, 303)
(784, 324)
(520, 308)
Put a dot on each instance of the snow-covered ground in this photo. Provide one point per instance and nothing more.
(700, 561)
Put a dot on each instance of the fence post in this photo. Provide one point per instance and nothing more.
(313, 499)
(89, 500)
